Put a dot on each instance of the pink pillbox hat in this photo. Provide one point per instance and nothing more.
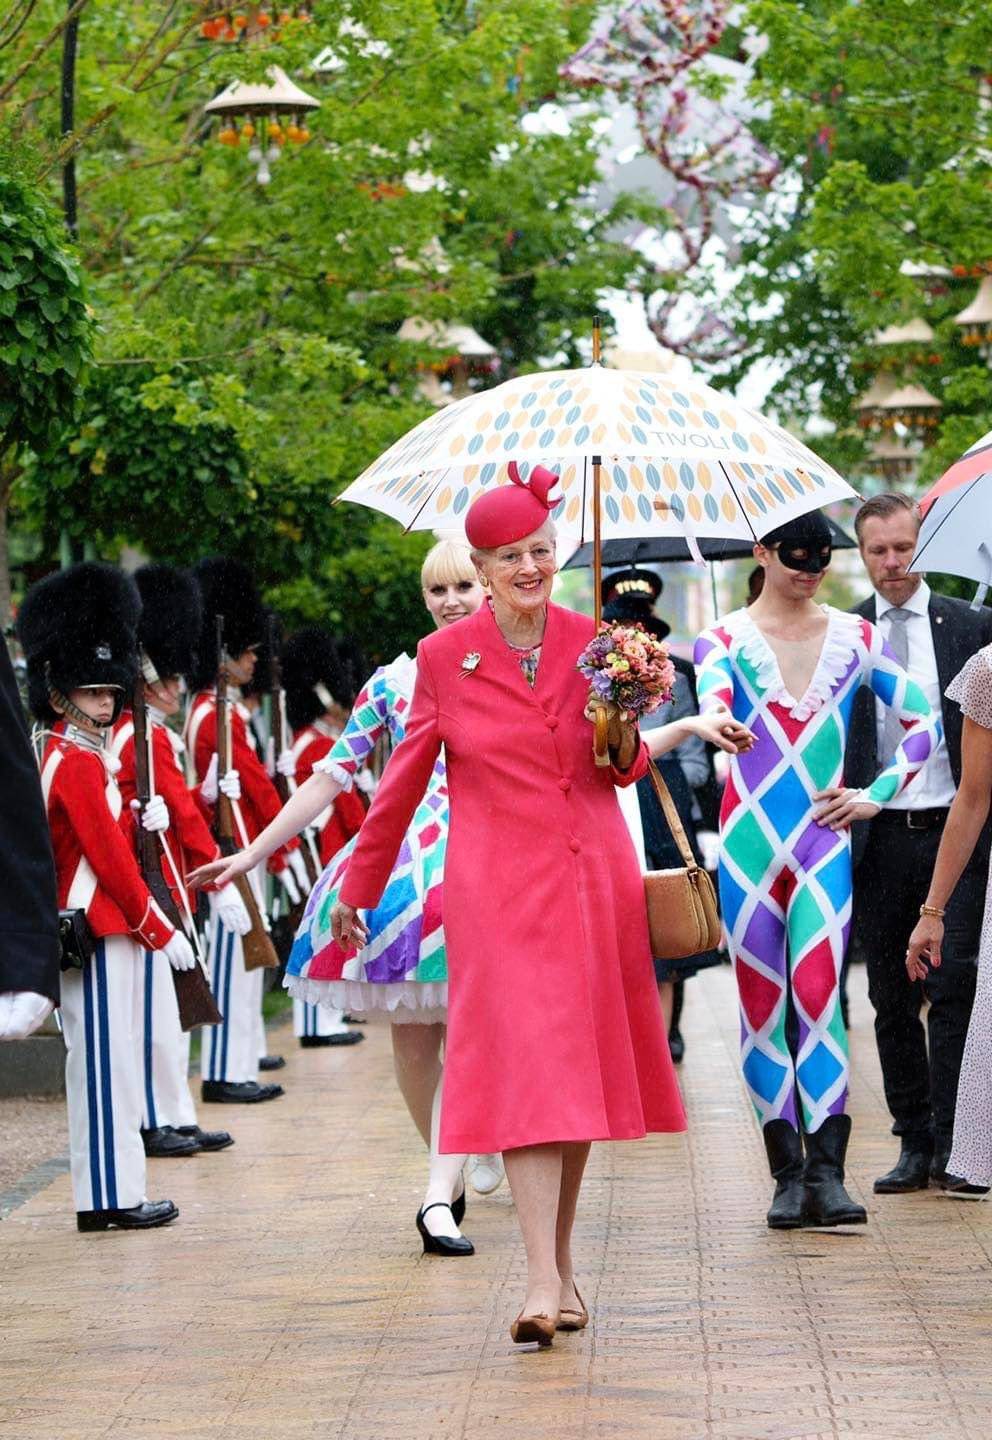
(511, 511)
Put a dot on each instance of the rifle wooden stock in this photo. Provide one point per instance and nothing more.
(194, 998)
(257, 949)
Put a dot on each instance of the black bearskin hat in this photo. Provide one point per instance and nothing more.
(272, 632)
(354, 669)
(311, 659)
(171, 619)
(77, 628)
(227, 588)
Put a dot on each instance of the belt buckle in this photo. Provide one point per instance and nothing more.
(909, 821)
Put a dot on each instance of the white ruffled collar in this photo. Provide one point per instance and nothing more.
(839, 646)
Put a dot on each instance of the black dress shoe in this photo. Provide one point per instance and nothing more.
(271, 1062)
(676, 1045)
(353, 1020)
(238, 1092)
(910, 1172)
(138, 1217)
(343, 1037)
(442, 1244)
(956, 1185)
(458, 1208)
(207, 1139)
(164, 1142)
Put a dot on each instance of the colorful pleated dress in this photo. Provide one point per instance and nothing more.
(401, 974)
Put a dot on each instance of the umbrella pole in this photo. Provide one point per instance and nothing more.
(597, 546)
(716, 608)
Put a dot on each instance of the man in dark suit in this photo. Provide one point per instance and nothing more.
(29, 923)
(932, 636)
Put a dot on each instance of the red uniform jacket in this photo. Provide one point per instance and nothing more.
(340, 821)
(189, 842)
(259, 803)
(96, 866)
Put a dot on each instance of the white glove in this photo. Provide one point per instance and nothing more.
(21, 1012)
(230, 785)
(155, 816)
(289, 885)
(366, 782)
(232, 910)
(299, 868)
(209, 787)
(286, 764)
(179, 952)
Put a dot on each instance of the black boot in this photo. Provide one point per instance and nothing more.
(825, 1201)
(911, 1171)
(784, 1147)
(676, 1044)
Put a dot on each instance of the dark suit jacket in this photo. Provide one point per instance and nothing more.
(958, 631)
(29, 926)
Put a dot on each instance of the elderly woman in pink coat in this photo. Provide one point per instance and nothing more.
(555, 1034)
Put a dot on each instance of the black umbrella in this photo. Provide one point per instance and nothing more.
(662, 550)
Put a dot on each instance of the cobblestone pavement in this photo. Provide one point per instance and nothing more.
(291, 1300)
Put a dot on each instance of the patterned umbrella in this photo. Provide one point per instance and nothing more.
(956, 535)
(638, 454)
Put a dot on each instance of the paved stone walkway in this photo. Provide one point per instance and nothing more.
(291, 1300)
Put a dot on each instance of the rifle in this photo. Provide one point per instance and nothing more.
(257, 949)
(284, 785)
(193, 994)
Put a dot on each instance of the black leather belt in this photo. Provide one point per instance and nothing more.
(916, 819)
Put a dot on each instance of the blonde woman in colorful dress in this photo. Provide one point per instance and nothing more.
(401, 976)
(969, 1169)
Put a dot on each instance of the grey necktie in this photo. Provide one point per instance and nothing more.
(893, 732)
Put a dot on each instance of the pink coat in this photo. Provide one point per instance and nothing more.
(555, 1030)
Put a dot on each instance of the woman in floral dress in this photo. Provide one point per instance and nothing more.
(969, 1170)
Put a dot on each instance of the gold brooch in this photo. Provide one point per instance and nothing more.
(471, 662)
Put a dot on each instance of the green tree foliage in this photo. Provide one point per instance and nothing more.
(257, 326)
(880, 112)
(45, 333)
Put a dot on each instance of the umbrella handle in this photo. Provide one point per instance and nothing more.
(601, 733)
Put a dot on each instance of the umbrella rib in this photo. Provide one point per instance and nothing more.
(733, 491)
(962, 494)
(427, 500)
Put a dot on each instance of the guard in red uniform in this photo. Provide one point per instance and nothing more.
(230, 1053)
(77, 629)
(318, 695)
(168, 632)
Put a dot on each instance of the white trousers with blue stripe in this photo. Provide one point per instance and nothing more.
(101, 1007)
(316, 1020)
(164, 1048)
(230, 1050)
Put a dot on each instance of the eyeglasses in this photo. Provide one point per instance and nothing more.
(513, 559)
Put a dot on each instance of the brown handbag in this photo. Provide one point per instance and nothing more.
(683, 918)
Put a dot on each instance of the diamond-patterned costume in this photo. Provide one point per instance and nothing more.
(402, 969)
(785, 881)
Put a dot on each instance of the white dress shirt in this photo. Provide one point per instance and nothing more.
(934, 785)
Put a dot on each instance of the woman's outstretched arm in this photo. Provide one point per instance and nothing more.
(313, 796)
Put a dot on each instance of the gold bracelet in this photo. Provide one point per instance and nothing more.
(935, 910)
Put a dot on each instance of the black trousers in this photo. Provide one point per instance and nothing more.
(890, 884)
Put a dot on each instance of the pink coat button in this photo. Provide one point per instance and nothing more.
(564, 785)
(574, 846)
(551, 721)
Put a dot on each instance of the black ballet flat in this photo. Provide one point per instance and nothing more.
(442, 1244)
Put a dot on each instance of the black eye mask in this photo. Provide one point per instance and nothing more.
(804, 544)
(812, 560)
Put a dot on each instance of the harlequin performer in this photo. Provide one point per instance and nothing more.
(230, 1051)
(402, 975)
(317, 702)
(77, 629)
(555, 1033)
(168, 631)
(785, 864)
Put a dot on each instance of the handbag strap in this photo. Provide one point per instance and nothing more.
(672, 816)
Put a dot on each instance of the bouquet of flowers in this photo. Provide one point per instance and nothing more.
(629, 673)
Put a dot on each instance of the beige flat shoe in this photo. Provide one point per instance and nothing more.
(528, 1329)
(574, 1319)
